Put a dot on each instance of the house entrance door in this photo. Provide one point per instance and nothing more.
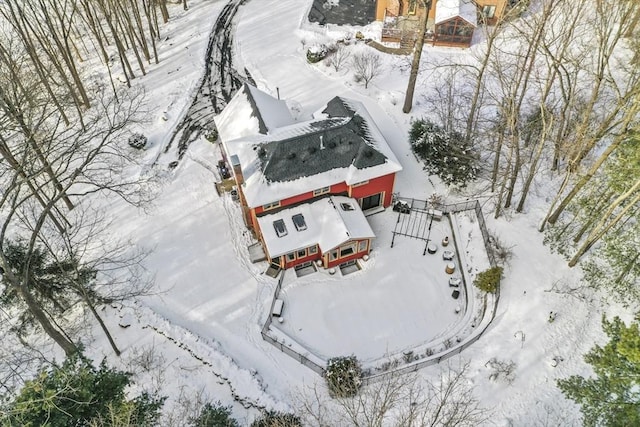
(370, 202)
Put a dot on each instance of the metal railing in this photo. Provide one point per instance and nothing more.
(302, 359)
(470, 205)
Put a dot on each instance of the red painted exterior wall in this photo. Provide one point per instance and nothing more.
(383, 184)
(297, 261)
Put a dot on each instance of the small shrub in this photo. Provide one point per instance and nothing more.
(137, 141)
(214, 415)
(212, 135)
(316, 53)
(488, 280)
(277, 419)
(344, 376)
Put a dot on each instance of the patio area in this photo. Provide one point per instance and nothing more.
(400, 300)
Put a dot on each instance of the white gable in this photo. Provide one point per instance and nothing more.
(447, 9)
(274, 112)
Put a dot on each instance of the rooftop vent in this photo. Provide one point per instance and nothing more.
(281, 229)
(346, 206)
(298, 221)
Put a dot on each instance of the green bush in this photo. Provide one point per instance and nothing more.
(77, 393)
(344, 376)
(277, 419)
(214, 415)
(446, 154)
(488, 280)
(316, 53)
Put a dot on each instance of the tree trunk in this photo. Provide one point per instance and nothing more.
(415, 64)
(600, 229)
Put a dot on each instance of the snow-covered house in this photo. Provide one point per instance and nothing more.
(305, 186)
(449, 22)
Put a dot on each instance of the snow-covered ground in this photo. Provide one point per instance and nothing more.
(204, 319)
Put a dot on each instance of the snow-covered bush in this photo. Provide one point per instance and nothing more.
(489, 279)
(316, 53)
(137, 141)
(344, 376)
(447, 154)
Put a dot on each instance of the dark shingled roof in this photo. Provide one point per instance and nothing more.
(337, 142)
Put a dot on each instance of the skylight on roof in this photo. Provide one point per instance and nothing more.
(298, 221)
(346, 206)
(281, 229)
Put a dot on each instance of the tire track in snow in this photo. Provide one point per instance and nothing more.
(215, 89)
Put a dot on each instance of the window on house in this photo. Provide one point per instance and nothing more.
(302, 253)
(320, 191)
(298, 221)
(333, 255)
(347, 250)
(488, 11)
(362, 245)
(291, 257)
(281, 229)
(313, 250)
(271, 205)
(358, 184)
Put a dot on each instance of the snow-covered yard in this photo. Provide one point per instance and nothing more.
(209, 302)
(399, 301)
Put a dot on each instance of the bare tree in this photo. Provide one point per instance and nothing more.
(86, 160)
(366, 66)
(339, 57)
(400, 400)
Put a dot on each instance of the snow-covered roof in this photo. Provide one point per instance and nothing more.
(465, 9)
(340, 144)
(328, 224)
(251, 112)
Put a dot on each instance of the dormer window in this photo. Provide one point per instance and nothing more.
(281, 229)
(298, 221)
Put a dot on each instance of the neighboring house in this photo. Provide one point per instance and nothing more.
(449, 22)
(305, 187)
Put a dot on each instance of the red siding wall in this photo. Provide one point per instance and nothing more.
(290, 264)
(375, 186)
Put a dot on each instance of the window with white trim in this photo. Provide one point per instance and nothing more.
(358, 184)
(291, 256)
(302, 253)
(346, 251)
(362, 245)
(333, 255)
(313, 250)
(271, 205)
(320, 191)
